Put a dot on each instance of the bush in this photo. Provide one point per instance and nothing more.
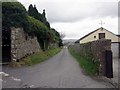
(14, 14)
(40, 30)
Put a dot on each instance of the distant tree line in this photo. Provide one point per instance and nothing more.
(33, 22)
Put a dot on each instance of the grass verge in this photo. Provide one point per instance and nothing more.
(36, 58)
(90, 68)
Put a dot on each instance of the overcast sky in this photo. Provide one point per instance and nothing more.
(77, 18)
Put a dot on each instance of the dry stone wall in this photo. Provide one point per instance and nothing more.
(22, 44)
(96, 50)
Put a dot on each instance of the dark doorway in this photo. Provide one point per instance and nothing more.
(6, 45)
(109, 64)
(101, 35)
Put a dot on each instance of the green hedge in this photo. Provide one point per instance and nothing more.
(14, 14)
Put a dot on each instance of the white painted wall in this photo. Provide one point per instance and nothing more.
(108, 35)
(115, 49)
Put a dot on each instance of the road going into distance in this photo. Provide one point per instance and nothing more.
(60, 71)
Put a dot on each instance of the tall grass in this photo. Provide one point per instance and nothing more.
(86, 63)
(41, 56)
(36, 58)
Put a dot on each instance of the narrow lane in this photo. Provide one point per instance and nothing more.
(60, 71)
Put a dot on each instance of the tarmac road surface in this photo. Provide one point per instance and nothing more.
(60, 71)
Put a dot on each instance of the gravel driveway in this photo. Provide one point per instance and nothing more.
(60, 71)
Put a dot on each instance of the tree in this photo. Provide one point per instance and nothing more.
(60, 43)
(14, 14)
(57, 37)
(32, 11)
(62, 35)
(40, 30)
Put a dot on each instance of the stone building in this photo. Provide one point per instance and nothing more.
(16, 44)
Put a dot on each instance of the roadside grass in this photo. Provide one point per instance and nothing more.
(90, 68)
(36, 58)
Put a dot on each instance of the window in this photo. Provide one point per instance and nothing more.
(101, 35)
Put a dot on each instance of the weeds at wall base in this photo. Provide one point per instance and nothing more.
(35, 58)
(89, 67)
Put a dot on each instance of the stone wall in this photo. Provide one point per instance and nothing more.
(22, 44)
(95, 50)
(53, 45)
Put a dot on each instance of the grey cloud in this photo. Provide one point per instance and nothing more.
(76, 11)
(108, 9)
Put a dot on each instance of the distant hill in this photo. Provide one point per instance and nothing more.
(65, 41)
